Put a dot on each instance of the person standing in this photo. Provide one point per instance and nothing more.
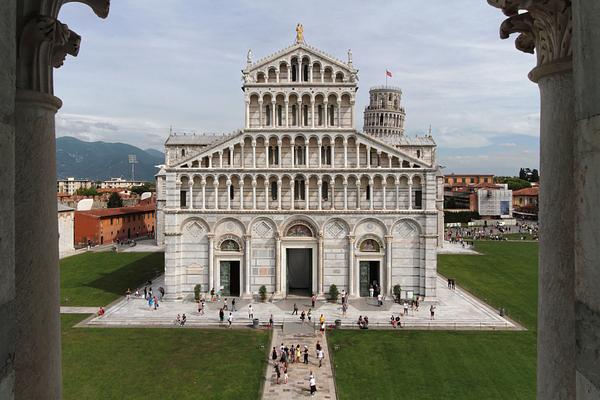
(379, 299)
(344, 309)
(371, 291)
(233, 304)
(432, 311)
(405, 308)
(225, 307)
(145, 293)
(271, 321)
(212, 294)
(285, 375)
(128, 294)
(313, 300)
(230, 319)
(302, 316)
(295, 309)
(320, 356)
(250, 311)
(221, 315)
(309, 315)
(313, 384)
(277, 372)
(305, 354)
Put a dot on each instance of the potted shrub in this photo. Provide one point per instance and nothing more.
(197, 289)
(333, 293)
(262, 292)
(397, 293)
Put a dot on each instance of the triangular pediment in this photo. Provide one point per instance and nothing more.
(300, 49)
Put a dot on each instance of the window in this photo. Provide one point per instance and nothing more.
(368, 192)
(273, 155)
(182, 152)
(294, 116)
(370, 245)
(183, 198)
(305, 73)
(299, 189)
(320, 114)
(294, 72)
(111, 221)
(331, 115)
(268, 115)
(418, 199)
(472, 180)
(274, 190)
(229, 245)
(231, 192)
(299, 230)
(418, 153)
(326, 155)
(300, 155)
(325, 191)
(279, 115)
(305, 115)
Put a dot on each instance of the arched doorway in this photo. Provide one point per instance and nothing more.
(299, 259)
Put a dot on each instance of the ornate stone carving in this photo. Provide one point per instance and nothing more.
(262, 230)
(405, 230)
(545, 26)
(195, 229)
(335, 230)
(71, 47)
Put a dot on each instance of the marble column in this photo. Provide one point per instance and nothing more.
(546, 28)
(287, 115)
(277, 264)
(357, 155)
(216, 186)
(254, 154)
(312, 105)
(279, 183)
(292, 188)
(351, 268)
(320, 144)
(333, 152)
(320, 277)
(266, 194)
(247, 260)
(228, 184)
(388, 265)
(345, 153)
(191, 206)
(371, 191)
(306, 193)
(203, 184)
(260, 114)
(220, 158)
(279, 143)
(320, 193)
(326, 113)
(242, 154)
(358, 194)
(242, 193)
(383, 190)
(410, 196)
(211, 268)
(345, 194)
(253, 194)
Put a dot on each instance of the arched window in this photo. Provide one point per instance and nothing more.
(305, 115)
(320, 114)
(305, 73)
(331, 115)
(299, 230)
(381, 119)
(268, 115)
(274, 190)
(229, 245)
(368, 192)
(294, 119)
(231, 192)
(182, 152)
(370, 245)
(279, 115)
(299, 189)
(325, 191)
(418, 153)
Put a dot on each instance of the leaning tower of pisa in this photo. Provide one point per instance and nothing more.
(384, 116)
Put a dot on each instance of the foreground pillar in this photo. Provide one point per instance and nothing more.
(545, 26)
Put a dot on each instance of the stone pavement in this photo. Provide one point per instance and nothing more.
(294, 333)
(78, 310)
(455, 309)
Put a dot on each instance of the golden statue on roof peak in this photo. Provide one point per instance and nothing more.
(299, 33)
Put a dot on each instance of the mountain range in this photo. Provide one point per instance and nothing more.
(101, 160)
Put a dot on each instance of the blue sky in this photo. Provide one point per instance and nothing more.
(157, 63)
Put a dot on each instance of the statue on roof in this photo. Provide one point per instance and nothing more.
(299, 33)
(249, 56)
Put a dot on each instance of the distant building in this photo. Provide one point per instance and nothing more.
(467, 179)
(525, 202)
(495, 202)
(460, 190)
(120, 183)
(71, 185)
(105, 225)
(66, 229)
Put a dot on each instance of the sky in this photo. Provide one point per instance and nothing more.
(153, 64)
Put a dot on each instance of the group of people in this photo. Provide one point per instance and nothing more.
(288, 355)
(180, 320)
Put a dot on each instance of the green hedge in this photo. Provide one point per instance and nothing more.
(461, 216)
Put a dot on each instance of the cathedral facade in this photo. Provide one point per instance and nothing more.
(300, 199)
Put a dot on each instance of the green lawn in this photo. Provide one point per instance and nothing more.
(452, 365)
(134, 363)
(96, 279)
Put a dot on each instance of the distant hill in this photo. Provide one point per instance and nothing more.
(101, 160)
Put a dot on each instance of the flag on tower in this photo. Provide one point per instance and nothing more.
(388, 73)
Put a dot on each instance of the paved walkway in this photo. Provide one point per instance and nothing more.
(455, 309)
(295, 333)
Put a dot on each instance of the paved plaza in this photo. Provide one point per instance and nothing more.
(455, 309)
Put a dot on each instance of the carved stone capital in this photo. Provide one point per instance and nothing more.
(545, 27)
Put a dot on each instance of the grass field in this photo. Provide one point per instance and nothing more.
(452, 365)
(96, 279)
(127, 363)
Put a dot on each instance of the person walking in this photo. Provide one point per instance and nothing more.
(277, 372)
(145, 293)
(313, 384)
(432, 311)
(271, 321)
(309, 315)
(225, 307)
(320, 356)
(212, 295)
(305, 354)
(302, 316)
(233, 305)
(274, 354)
(230, 319)
(285, 375)
(128, 294)
(183, 320)
(295, 309)
(221, 315)
(250, 311)
(405, 308)
(155, 303)
(379, 300)
(371, 291)
(313, 300)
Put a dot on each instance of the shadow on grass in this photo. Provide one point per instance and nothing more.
(131, 275)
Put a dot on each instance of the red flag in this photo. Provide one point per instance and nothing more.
(388, 73)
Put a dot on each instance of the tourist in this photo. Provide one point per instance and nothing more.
(212, 294)
(145, 293)
(313, 384)
(230, 319)
(225, 305)
(137, 292)
(366, 322)
(398, 322)
(360, 321)
(233, 304)
(278, 372)
(221, 315)
(379, 299)
(161, 290)
(100, 311)
(150, 291)
(417, 304)
(405, 308)
(393, 321)
(178, 320)
(343, 296)
(285, 375)
(376, 288)
(155, 303)
(128, 294)
(371, 291)
(200, 308)
(309, 315)
(295, 309)
(292, 354)
(150, 301)
(313, 300)
(449, 283)
(317, 347)
(344, 308)
(274, 354)
(298, 353)
(320, 356)
(250, 312)
(305, 352)
(271, 321)
(432, 311)
(302, 316)
(183, 319)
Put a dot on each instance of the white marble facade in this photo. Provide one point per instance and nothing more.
(232, 208)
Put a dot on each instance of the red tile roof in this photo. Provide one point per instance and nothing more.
(112, 212)
(532, 191)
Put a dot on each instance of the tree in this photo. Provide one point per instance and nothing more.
(535, 176)
(114, 201)
(333, 292)
(522, 174)
(513, 182)
(87, 192)
(144, 188)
